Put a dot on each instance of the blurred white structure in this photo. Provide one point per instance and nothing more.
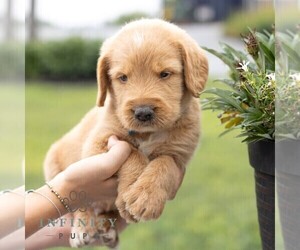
(12, 20)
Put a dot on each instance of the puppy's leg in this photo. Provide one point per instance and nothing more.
(52, 165)
(91, 228)
(128, 174)
(145, 199)
(95, 144)
(82, 232)
(107, 233)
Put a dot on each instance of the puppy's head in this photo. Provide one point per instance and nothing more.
(148, 68)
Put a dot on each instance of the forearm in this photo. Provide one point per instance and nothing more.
(42, 205)
(47, 237)
(12, 211)
(39, 209)
(15, 240)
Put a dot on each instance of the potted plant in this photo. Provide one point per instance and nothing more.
(247, 102)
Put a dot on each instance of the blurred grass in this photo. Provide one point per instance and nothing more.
(12, 134)
(215, 207)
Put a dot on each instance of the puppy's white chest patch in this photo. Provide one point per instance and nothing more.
(148, 146)
(138, 39)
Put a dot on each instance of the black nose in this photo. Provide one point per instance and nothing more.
(144, 113)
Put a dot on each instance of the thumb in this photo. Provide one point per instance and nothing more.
(111, 161)
(103, 165)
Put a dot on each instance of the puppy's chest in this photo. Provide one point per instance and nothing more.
(147, 146)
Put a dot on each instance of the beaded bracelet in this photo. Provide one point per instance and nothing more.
(62, 200)
(36, 192)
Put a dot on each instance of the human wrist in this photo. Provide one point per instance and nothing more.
(66, 191)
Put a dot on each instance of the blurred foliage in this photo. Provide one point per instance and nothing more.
(70, 59)
(126, 18)
(12, 62)
(260, 19)
(288, 85)
(288, 51)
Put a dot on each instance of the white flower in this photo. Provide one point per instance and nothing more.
(271, 76)
(295, 77)
(244, 66)
(294, 80)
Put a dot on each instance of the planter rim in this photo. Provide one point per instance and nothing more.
(262, 156)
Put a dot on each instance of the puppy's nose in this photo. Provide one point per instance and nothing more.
(144, 113)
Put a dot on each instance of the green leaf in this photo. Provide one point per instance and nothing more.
(228, 61)
(227, 96)
(227, 131)
(229, 82)
(238, 54)
(269, 55)
(292, 54)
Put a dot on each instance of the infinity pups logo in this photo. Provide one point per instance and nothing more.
(100, 223)
(82, 199)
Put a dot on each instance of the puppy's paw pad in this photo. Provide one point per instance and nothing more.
(81, 238)
(121, 206)
(110, 239)
(145, 205)
(80, 241)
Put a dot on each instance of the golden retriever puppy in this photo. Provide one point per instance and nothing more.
(150, 75)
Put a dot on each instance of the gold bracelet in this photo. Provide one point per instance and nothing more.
(33, 191)
(62, 200)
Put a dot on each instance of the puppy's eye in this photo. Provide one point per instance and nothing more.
(164, 74)
(123, 78)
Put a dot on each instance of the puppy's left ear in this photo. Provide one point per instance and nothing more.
(195, 66)
(103, 80)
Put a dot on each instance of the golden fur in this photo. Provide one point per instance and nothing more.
(141, 50)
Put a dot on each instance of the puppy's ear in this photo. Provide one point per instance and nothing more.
(102, 79)
(195, 66)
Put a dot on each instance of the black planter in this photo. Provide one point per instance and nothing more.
(288, 191)
(262, 159)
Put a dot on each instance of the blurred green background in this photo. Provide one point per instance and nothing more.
(12, 135)
(214, 209)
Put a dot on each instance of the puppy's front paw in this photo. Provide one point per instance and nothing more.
(144, 203)
(121, 206)
(81, 237)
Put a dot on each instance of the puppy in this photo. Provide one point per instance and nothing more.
(149, 75)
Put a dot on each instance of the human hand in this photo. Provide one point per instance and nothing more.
(94, 175)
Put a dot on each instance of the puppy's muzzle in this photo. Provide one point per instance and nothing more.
(144, 113)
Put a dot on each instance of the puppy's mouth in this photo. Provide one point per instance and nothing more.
(141, 127)
(135, 126)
